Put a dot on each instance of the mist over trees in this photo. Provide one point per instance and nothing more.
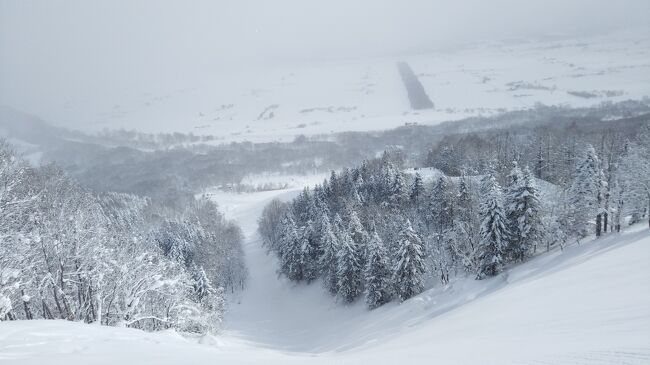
(182, 164)
(382, 233)
(110, 258)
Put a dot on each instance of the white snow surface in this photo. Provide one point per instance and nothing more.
(278, 103)
(587, 304)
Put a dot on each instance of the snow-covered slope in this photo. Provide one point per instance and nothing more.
(367, 94)
(584, 305)
(545, 307)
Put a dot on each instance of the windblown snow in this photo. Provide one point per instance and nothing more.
(588, 303)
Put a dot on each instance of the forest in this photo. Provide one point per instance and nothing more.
(111, 258)
(489, 200)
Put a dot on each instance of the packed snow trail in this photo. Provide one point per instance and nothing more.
(272, 311)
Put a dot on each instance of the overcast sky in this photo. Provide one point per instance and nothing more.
(78, 44)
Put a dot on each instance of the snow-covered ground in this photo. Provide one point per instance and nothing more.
(367, 94)
(587, 304)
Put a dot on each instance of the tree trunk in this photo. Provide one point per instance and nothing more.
(47, 313)
(28, 312)
(58, 304)
(648, 210)
(598, 224)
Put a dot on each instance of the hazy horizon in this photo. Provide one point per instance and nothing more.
(90, 51)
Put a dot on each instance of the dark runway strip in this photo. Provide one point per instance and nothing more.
(417, 96)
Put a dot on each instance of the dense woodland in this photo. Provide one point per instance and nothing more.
(110, 258)
(495, 199)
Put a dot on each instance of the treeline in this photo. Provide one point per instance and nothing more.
(551, 149)
(110, 258)
(381, 233)
(198, 166)
(141, 140)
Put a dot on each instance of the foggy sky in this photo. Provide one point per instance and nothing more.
(81, 46)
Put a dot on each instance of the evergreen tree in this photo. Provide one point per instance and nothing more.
(202, 286)
(398, 190)
(523, 212)
(417, 189)
(494, 231)
(291, 249)
(408, 272)
(309, 252)
(359, 236)
(356, 230)
(464, 200)
(349, 269)
(441, 207)
(514, 183)
(377, 273)
(584, 192)
(635, 177)
(328, 260)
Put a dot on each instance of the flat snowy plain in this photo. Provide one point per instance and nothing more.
(585, 304)
(278, 103)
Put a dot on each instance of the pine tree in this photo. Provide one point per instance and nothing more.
(356, 230)
(291, 249)
(349, 269)
(359, 236)
(441, 207)
(202, 286)
(398, 191)
(635, 177)
(417, 189)
(514, 183)
(464, 200)
(328, 260)
(584, 192)
(377, 273)
(494, 231)
(408, 272)
(522, 210)
(309, 251)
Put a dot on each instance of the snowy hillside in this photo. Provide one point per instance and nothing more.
(324, 182)
(367, 94)
(586, 304)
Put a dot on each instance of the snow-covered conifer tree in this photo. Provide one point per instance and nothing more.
(349, 270)
(494, 229)
(377, 273)
(523, 213)
(328, 261)
(291, 249)
(584, 192)
(417, 189)
(409, 267)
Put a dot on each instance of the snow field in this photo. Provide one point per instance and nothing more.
(367, 94)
